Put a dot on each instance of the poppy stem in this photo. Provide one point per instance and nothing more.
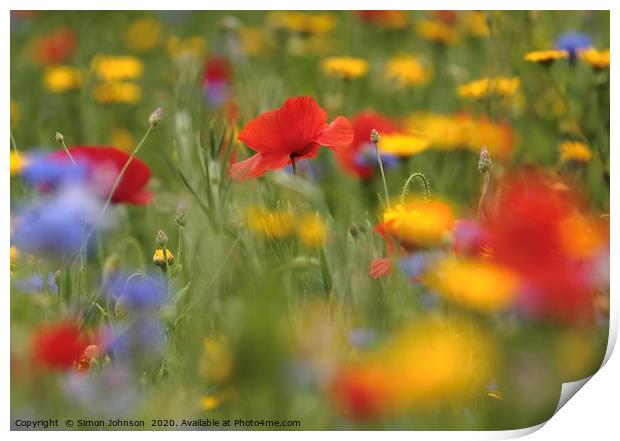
(294, 166)
(61, 139)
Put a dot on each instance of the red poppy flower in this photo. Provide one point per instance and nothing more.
(56, 47)
(104, 165)
(526, 234)
(58, 346)
(363, 123)
(360, 393)
(217, 69)
(294, 131)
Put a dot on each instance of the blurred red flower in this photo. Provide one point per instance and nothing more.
(56, 47)
(293, 132)
(361, 393)
(58, 346)
(527, 232)
(217, 69)
(104, 165)
(363, 124)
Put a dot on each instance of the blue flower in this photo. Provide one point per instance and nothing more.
(573, 42)
(57, 224)
(362, 337)
(367, 156)
(47, 173)
(216, 93)
(145, 336)
(414, 264)
(138, 291)
(35, 283)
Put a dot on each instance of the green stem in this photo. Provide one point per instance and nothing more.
(13, 143)
(64, 146)
(425, 183)
(385, 188)
(114, 187)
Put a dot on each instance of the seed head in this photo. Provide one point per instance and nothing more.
(161, 238)
(374, 136)
(484, 163)
(156, 117)
(59, 137)
(180, 218)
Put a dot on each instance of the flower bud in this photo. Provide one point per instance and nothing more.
(59, 137)
(484, 163)
(374, 136)
(161, 238)
(156, 117)
(180, 218)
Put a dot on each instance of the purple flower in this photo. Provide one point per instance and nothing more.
(216, 93)
(137, 291)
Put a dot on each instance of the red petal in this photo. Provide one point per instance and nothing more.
(380, 267)
(286, 130)
(338, 135)
(257, 165)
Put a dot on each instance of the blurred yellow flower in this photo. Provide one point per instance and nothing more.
(117, 92)
(13, 258)
(253, 40)
(486, 87)
(419, 222)
(595, 58)
(17, 162)
(194, 47)
(477, 284)
(311, 230)
(143, 34)
(273, 224)
(475, 23)
(450, 132)
(61, 79)
(123, 139)
(158, 257)
(437, 31)
(546, 57)
(217, 363)
(210, 402)
(575, 151)
(407, 70)
(348, 68)
(403, 144)
(117, 67)
(301, 22)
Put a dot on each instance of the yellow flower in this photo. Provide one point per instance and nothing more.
(348, 68)
(475, 283)
(575, 151)
(403, 144)
(407, 70)
(419, 222)
(595, 58)
(216, 364)
(193, 47)
(253, 40)
(273, 224)
(485, 87)
(158, 257)
(546, 57)
(122, 138)
(17, 162)
(143, 34)
(312, 231)
(13, 258)
(117, 92)
(210, 402)
(302, 23)
(437, 31)
(61, 79)
(476, 23)
(117, 67)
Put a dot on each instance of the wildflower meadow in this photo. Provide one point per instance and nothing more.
(321, 220)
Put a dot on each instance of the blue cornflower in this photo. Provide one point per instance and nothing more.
(43, 171)
(367, 156)
(137, 291)
(573, 42)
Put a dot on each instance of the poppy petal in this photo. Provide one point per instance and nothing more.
(380, 267)
(257, 165)
(338, 135)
